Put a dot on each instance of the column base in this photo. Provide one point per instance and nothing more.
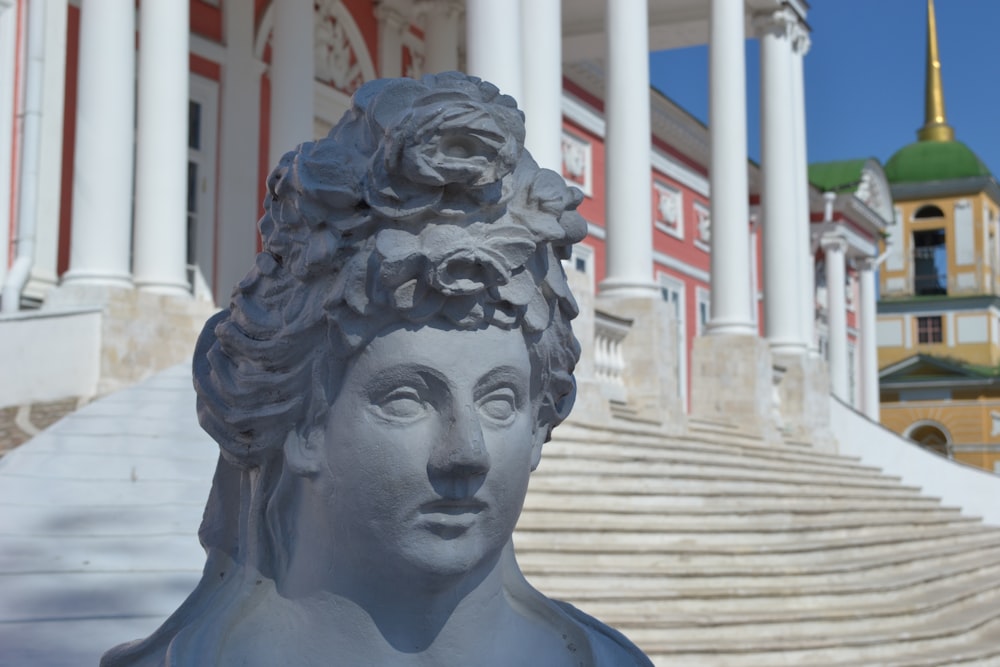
(804, 393)
(732, 381)
(621, 288)
(97, 279)
(176, 289)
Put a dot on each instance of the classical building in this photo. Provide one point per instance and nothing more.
(140, 140)
(939, 317)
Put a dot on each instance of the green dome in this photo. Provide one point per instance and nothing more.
(933, 161)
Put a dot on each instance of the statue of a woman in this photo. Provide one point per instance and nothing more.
(380, 388)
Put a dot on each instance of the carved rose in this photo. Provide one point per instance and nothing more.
(464, 135)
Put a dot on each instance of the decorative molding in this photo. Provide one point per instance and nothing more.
(681, 267)
(339, 48)
(413, 55)
(703, 220)
(668, 213)
(587, 119)
(578, 162)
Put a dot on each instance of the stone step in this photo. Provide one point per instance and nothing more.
(723, 503)
(936, 636)
(695, 441)
(603, 453)
(730, 526)
(720, 472)
(919, 559)
(849, 618)
(724, 552)
(725, 598)
(696, 484)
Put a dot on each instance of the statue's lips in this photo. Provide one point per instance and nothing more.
(453, 507)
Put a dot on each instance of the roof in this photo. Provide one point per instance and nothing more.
(924, 161)
(924, 370)
(837, 176)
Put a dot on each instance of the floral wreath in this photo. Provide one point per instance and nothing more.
(421, 203)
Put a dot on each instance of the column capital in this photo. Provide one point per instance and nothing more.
(391, 16)
(780, 23)
(424, 8)
(866, 263)
(833, 241)
(801, 42)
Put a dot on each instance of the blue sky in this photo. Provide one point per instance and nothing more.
(865, 77)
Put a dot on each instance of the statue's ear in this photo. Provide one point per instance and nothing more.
(304, 453)
(538, 438)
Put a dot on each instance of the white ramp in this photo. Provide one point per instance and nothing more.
(98, 524)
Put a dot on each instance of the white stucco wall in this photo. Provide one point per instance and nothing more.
(976, 491)
(45, 356)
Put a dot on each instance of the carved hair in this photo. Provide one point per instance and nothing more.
(421, 205)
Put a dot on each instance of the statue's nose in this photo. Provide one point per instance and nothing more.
(461, 451)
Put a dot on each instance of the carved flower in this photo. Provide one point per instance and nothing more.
(463, 134)
(448, 262)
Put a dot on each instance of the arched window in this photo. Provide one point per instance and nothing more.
(932, 436)
(928, 211)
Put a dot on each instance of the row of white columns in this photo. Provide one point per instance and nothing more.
(102, 252)
(835, 247)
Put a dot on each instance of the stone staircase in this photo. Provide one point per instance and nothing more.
(718, 548)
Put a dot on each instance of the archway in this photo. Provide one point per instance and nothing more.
(931, 436)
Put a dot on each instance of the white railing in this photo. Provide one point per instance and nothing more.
(609, 357)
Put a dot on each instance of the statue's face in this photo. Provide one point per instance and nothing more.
(429, 446)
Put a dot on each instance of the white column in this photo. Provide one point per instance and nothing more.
(493, 44)
(730, 213)
(239, 151)
(805, 254)
(44, 271)
(293, 67)
(869, 340)
(391, 23)
(8, 38)
(542, 106)
(779, 202)
(628, 200)
(160, 250)
(441, 35)
(834, 247)
(103, 162)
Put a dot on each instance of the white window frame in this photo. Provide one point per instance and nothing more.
(703, 305)
(677, 286)
(205, 92)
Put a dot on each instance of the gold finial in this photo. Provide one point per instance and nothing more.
(936, 126)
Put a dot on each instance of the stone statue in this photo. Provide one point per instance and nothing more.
(380, 388)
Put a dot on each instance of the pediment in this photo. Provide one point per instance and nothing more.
(923, 368)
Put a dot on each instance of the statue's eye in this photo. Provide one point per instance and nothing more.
(499, 406)
(402, 404)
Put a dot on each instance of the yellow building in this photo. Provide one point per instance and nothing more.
(939, 314)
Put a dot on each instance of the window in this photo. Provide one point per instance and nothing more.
(704, 301)
(929, 329)
(928, 211)
(930, 262)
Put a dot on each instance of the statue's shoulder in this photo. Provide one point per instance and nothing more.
(610, 647)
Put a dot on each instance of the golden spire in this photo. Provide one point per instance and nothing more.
(936, 126)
